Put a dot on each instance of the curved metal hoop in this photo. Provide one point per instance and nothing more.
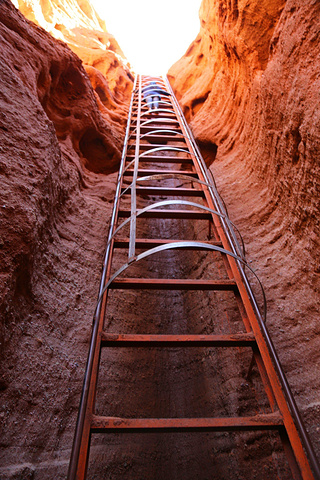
(183, 244)
(157, 120)
(143, 155)
(159, 149)
(163, 203)
(168, 176)
(152, 120)
(157, 110)
(162, 130)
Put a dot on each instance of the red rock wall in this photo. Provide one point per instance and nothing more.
(58, 139)
(78, 24)
(249, 85)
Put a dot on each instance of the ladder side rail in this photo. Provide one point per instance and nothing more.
(99, 313)
(133, 221)
(304, 437)
(208, 178)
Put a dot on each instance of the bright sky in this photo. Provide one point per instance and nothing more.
(152, 34)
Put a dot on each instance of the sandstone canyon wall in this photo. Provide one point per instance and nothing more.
(60, 133)
(249, 86)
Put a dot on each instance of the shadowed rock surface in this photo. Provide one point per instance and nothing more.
(249, 86)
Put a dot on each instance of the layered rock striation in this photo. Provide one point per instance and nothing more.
(249, 87)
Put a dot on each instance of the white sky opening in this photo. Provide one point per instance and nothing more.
(153, 35)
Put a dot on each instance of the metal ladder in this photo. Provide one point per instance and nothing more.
(162, 139)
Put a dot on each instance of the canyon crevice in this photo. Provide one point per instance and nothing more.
(249, 87)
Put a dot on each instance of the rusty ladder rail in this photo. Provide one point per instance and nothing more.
(148, 142)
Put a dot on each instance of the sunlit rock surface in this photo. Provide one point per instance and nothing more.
(249, 86)
(78, 24)
(213, 81)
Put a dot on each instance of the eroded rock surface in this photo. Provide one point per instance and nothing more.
(79, 25)
(249, 85)
(57, 142)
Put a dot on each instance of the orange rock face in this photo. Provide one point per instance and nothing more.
(213, 81)
(77, 24)
(249, 85)
(59, 137)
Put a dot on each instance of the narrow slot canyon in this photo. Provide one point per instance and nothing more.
(248, 86)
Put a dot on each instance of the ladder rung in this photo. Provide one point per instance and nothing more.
(164, 106)
(145, 172)
(165, 102)
(153, 137)
(172, 284)
(134, 340)
(166, 159)
(149, 146)
(163, 191)
(154, 114)
(177, 214)
(161, 123)
(144, 106)
(159, 119)
(151, 128)
(271, 421)
(156, 242)
(151, 116)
